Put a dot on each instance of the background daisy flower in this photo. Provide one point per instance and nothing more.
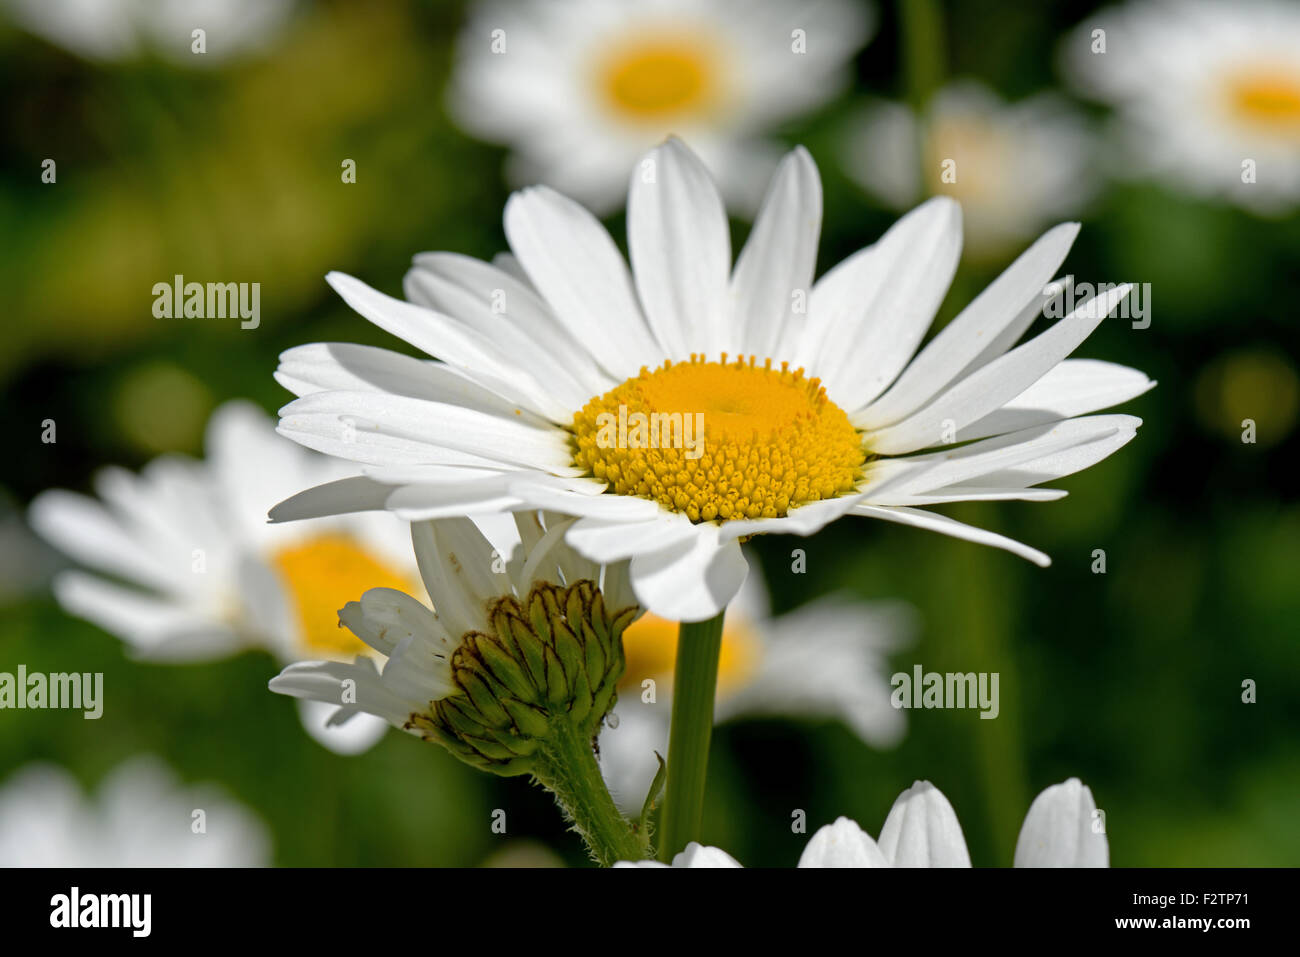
(140, 816)
(826, 660)
(1014, 167)
(201, 575)
(581, 88)
(813, 398)
(1200, 88)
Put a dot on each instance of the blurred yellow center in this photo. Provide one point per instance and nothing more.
(320, 575)
(720, 441)
(1269, 97)
(649, 78)
(650, 646)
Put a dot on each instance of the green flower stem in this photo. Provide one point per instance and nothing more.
(921, 40)
(695, 683)
(566, 765)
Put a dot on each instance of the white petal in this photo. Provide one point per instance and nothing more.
(880, 309)
(922, 830)
(345, 367)
(696, 855)
(471, 351)
(356, 735)
(997, 383)
(888, 479)
(357, 494)
(382, 429)
(842, 844)
(919, 518)
(963, 339)
(690, 581)
(804, 520)
(456, 563)
(778, 261)
(493, 301)
(574, 264)
(680, 244)
(606, 541)
(1073, 387)
(1063, 829)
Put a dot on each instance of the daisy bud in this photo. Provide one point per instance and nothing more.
(554, 656)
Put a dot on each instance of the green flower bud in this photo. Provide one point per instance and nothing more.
(555, 656)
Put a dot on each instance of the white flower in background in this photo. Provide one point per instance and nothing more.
(141, 816)
(1014, 168)
(811, 399)
(1062, 829)
(510, 645)
(124, 29)
(581, 88)
(204, 576)
(1200, 87)
(826, 660)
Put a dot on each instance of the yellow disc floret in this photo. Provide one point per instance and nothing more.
(720, 440)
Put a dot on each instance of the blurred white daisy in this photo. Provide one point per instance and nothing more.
(441, 668)
(204, 576)
(825, 660)
(1207, 93)
(141, 816)
(124, 29)
(810, 399)
(581, 88)
(1062, 829)
(1014, 168)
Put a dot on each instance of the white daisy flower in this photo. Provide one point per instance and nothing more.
(777, 405)
(141, 816)
(203, 576)
(825, 660)
(1207, 93)
(1013, 167)
(123, 29)
(1062, 829)
(447, 670)
(581, 88)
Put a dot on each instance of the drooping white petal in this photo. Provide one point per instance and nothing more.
(842, 844)
(922, 830)
(456, 563)
(697, 855)
(355, 735)
(1063, 829)
(774, 272)
(691, 580)
(919, 518)
(680, 246)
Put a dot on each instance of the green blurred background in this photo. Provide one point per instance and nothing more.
(1130, 680)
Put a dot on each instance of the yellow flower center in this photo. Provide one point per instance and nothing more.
(720, 440)
(659, 76)
(1267, 97)
(322, 573)
(650, 646)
